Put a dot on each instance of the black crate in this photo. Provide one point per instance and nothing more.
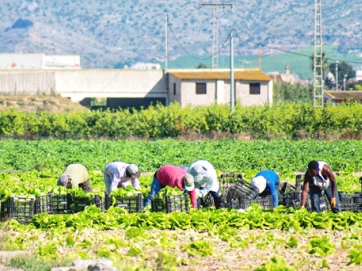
(130, 204)
(350, 207)
(4, 208)
(19, 208)
(170, 204)
(298, 183)
(79, 203)
(178, 203)
(42, 204)
(58, 203)
(345, 198)
(289, 200)
(228, 179)
(265, 202)
(357, 197)
(239, 189)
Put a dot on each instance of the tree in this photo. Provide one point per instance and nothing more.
(287, 92)
(343, 69)
(201, 66)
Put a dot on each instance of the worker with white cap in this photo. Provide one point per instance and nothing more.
(205, 181)
(267, 182)
(119, 175)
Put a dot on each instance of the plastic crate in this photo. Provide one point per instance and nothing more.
(350, 207)
(131, 204)
(19, 208)
(78, 204)
(239, 189)
(178, 203)
(41, 204)
(170, 204)
(58, 204)
(345, 198)
(289, 200)
(265, 202)
(298, 183)
(357, 197)
(228, 179)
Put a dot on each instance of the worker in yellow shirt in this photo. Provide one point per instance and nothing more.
(74, 176)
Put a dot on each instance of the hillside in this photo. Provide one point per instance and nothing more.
(117, 33)
(37, 103)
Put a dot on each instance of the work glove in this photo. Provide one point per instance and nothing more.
(333, 202)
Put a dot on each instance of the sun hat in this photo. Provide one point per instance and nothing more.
(189, 182)
(198, 172)
(132, 170)
(259, 182)
(63, 180)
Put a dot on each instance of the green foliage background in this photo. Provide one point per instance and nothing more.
(281, 121)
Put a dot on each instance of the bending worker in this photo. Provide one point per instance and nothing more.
(74, 176)
(318, 178)
(173, 176)
(119, 175)
(205, 181)
(267, 182)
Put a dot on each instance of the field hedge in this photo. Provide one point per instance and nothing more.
(282, 121)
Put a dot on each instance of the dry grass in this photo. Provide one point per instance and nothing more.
(36, 103)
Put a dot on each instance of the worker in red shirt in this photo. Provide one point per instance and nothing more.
(173, 176)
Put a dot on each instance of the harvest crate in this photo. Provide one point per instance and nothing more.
(78, 203)
(19, 208)
(58, 204)
(131, 204)
(345, 198)
(290, 200)
(265, 202)
(170, 204)
(228, 179)
(357, 197)
(42, 204)
(240, 188)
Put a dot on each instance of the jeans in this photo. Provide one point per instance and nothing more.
(215, 196)
(156, 186)
(315, 193)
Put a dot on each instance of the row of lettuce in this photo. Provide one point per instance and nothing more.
(286, 120)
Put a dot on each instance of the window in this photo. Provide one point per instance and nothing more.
(200, 88)
(254, 88)
(174, 88)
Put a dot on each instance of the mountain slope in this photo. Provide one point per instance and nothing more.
(113, 33)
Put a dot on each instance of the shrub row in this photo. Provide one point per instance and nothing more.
(286, 121)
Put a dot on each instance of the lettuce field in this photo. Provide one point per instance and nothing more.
(205, 239)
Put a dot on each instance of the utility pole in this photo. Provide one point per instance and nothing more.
(259, 56)
(232, 98)
(336, 75)
(215, 31)
(318, 91)
(166, 44)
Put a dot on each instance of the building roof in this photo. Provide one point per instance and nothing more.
(244, 75)
(345, 95)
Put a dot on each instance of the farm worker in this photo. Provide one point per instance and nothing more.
(319, 178)
(205, 181)
(74, 176)
(173, 176)
(267, 182)
(119, 174)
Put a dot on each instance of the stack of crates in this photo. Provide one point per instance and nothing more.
(238, 193)
(170, 204)
(347, 202)
(130, 204)
(23, 208)
(79, 203)
(265, 202)
(58, 204)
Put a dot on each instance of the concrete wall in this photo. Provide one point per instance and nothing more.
(242, 94)
(80, 84)
(21, 61)
(219, 91)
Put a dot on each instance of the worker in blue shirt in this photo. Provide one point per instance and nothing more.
(267, 182)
